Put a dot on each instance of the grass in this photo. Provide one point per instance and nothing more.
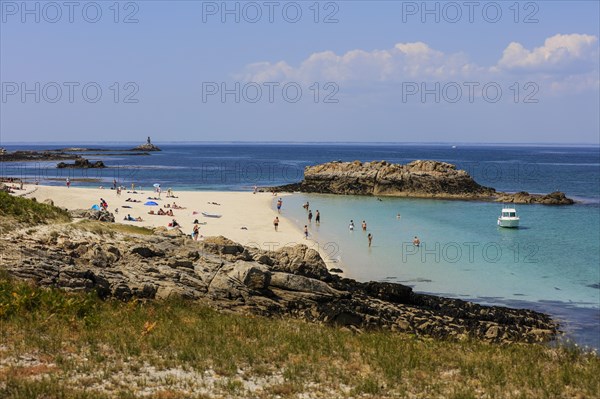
(105, 228)
(81, 341)
(28, 211)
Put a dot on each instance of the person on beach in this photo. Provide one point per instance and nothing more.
(279, 203)
(276, 222)
(68, 183)
(255, 189)
(305, 232)
(310, 216)
(370, 238)
(306, 205)
(195, 232)
(416, 241)
(174, 223)
(114, 184)
(132, 186)
(351, 225)
(364, 225)
(317, 217)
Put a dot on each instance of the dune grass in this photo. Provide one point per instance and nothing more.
(84, 347)
(111, 228)
(24, 210)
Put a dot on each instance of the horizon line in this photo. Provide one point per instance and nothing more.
(276, 142)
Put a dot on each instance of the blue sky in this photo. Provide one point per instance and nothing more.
(377, 71)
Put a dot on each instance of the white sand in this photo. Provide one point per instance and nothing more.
(238, 209)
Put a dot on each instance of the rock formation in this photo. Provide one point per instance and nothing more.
(91, 214)
(148, 146)
(81, 163)
(419, 179)
(28, 156)
(290, 282)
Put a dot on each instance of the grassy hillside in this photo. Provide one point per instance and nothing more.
(28, 211)
(64, 345)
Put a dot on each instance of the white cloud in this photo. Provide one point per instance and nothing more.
(559, 52)
(565, 63)
(403, 61)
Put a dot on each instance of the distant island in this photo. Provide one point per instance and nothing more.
(148, 146)
(417, 179)
(72, 153)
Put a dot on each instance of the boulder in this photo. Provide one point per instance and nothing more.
(92, 214)
(81, 163)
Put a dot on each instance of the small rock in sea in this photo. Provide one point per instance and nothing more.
(336, 270)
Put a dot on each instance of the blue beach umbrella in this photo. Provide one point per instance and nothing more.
(95, 207)
(151, 203)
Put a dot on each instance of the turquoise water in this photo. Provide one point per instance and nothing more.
(551, 261)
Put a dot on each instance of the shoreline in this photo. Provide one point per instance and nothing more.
(247, 218)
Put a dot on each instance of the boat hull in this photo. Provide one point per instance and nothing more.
(510, 223)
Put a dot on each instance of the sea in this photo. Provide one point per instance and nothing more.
(551, 263)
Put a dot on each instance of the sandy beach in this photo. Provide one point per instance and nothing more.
(247, 218)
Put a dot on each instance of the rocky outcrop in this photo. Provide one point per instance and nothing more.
(523, 197)
(81, 163)
(27, 156)
(92, 214)
(290, 282)
(148, 146)
(418, 179)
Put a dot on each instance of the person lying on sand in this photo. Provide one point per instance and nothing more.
(161, 212)
(170, 212)
(150, 212)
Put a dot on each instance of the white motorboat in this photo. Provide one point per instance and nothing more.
(508, 218)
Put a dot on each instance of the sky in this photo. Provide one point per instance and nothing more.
(305, 71)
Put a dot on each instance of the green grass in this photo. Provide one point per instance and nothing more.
(106, 228)
(30, 212)
(62, 329)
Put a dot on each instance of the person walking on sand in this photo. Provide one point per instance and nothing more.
(318, 217)
(370, 238)
(68, 183)
(309, 216)
(364, 225)
(196, 232)
(276, 222)
(305, 232)
(351, 225)
(279, 203)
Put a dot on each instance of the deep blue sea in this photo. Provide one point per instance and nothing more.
(551, 263)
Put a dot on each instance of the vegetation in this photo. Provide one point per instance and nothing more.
(28, 211)
(106, 228)
(73, 345)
